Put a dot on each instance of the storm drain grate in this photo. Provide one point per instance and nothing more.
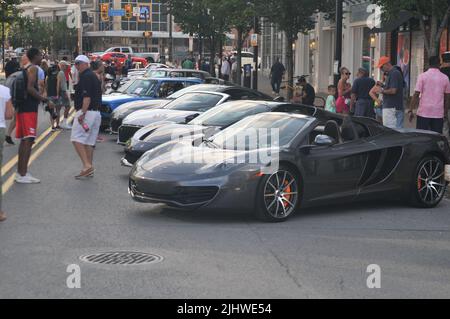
(122, 258)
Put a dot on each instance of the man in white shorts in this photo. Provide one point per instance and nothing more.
(86, 125)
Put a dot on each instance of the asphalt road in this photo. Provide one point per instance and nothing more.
(321, 253)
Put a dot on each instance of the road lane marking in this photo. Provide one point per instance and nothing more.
(10, 181)
(8, 166)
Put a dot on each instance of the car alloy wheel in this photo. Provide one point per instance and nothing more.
(281, 194)
(431, 182)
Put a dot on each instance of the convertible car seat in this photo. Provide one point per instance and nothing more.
(332, 130)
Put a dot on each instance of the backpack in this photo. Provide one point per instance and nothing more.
(17, 83)
(52, 81)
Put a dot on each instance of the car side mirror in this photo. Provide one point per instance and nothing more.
(190, 118)
(324, 140)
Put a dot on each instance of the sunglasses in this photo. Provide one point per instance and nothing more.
(348, 73)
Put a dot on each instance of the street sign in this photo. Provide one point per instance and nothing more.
(144, 12)
(254, 40)
(116, 13)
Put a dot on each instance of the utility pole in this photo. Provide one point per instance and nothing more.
(255, 54)
(80, 30)
(338, 53)
(170, 38)
(145, 28)
(3, 35)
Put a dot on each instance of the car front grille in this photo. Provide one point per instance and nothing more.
(126, 132)
(181, 195)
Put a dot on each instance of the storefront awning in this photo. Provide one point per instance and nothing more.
(393, 24)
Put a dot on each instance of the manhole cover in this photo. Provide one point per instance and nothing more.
(122, 258)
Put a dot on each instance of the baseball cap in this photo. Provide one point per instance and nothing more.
(82, 58)
(383, 60)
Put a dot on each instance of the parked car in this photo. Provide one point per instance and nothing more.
(150, 57)
(182, 110)
(143, 89)
(130, 126)
(120, 113)
(323, 159)
(203, 126)
(248, 58)
(176, 73)
(121, 58)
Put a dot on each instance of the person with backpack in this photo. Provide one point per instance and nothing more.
(6, 113)
(27, 99)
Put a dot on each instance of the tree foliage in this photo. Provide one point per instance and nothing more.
(432, 14)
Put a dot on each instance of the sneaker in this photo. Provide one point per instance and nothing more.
(9, 140)
(27, 179)
(66, 126)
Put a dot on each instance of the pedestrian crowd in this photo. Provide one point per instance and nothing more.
(384, 100)
(35, 83)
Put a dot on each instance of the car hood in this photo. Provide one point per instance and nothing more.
(146, 117)
(182, 160)
(128, 108)
(169, 132)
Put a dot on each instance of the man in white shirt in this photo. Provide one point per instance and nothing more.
(226, 69)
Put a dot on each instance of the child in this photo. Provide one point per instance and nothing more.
(330, 106)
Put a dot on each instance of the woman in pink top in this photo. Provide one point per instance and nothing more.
(433, 97)
(344, 92)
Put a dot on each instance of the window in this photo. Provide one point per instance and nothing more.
(168, 88)
(238, 94)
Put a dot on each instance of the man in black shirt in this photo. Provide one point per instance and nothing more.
(86, 126)
(276, 75)
(309, 94)
(361, 103)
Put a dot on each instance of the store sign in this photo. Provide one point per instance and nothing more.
(144, 12)
(116, 13)
(136, 11)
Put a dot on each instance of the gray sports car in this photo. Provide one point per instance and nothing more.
(298, 161)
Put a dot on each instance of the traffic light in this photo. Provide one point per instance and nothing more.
(104, 11)
(128, 11)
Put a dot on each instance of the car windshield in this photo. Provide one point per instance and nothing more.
(229, 113)
(260, 131)
(195, 101)
(156, 73)
(142, 87)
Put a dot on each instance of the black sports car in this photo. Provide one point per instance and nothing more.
(312, 160)
(237, 93)
(204, 126)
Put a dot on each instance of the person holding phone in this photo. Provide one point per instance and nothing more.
(6, 113)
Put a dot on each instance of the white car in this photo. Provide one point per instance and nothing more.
(247, 58)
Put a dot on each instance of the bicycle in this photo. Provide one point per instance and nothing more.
(297, 89)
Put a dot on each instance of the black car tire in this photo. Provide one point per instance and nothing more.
(278, 205)
(428, 186)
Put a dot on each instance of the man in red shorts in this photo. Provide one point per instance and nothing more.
(26, 117)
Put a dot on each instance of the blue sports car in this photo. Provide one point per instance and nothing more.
(143, 89)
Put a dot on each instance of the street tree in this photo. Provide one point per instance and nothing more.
(207, 19)
(432, 15)
(294, 17)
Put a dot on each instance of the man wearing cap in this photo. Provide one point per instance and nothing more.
(393, 110)
(86, 125)
(361, 102)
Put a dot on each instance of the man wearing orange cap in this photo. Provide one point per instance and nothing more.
(393, 110)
